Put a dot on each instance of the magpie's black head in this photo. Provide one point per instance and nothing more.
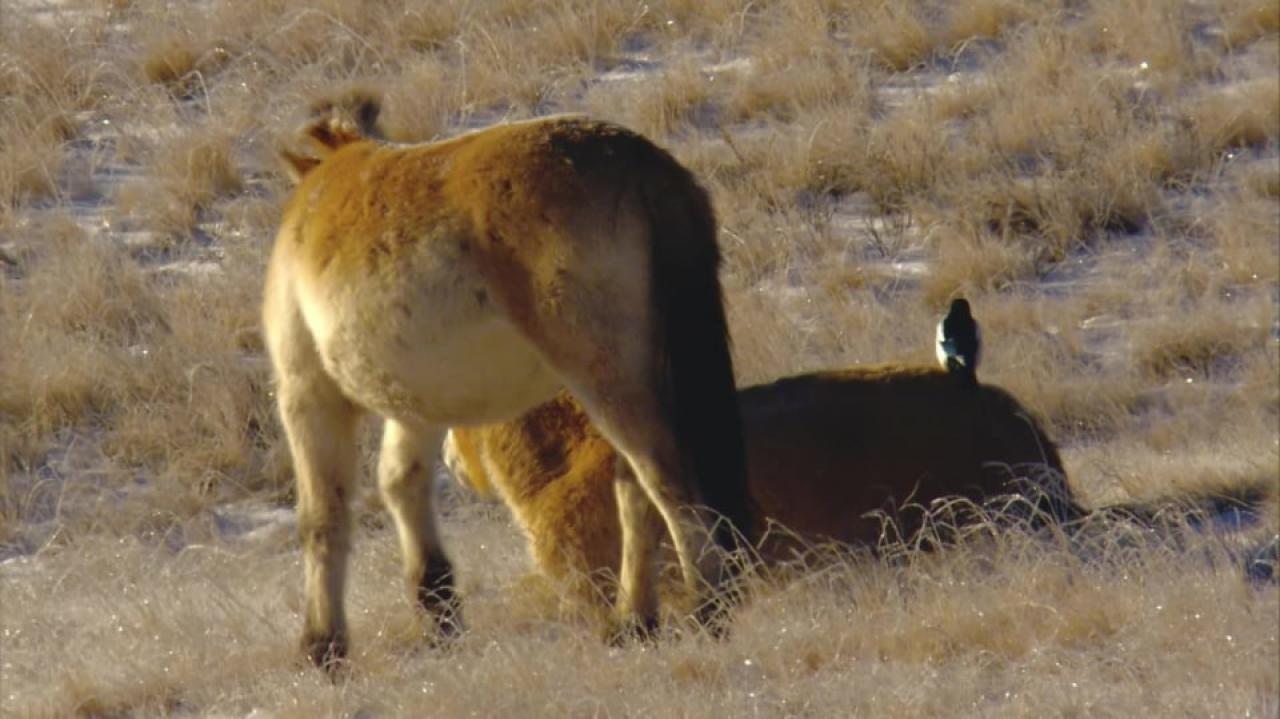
(959, 308)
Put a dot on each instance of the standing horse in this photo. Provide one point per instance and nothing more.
(464, 282)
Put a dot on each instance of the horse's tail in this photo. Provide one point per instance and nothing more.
(695, 367)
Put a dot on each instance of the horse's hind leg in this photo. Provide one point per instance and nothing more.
(321, 426)
(641, 531)
(404, 478)
(630, 420)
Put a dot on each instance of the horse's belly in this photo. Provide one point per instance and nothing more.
(439, 368)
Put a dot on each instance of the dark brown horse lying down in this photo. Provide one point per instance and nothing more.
(825, 451)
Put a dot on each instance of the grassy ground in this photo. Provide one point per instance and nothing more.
(1101, 179)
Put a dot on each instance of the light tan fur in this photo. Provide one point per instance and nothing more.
(466, 281)
(825, 452)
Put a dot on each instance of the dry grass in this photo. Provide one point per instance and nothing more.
(1016, 628)
(1244, 21)
(1101, 180)
(182, 179)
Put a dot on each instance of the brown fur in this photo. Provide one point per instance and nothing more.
(466, 281)
(825, 451)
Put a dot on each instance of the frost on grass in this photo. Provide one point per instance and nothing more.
(1009, 623)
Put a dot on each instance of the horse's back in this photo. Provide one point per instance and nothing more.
(826, 448)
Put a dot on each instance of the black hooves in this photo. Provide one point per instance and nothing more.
(637, 630)
(327, 652)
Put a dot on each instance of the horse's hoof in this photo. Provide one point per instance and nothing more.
(634, 630)
(326, 651)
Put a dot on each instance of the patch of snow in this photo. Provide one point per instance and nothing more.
(255, 523)
(190, 268)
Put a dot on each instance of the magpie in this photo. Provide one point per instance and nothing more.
(960, 341)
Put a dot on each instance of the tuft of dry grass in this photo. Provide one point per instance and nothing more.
(1239, 115)
(418, 102)
(674, 97)
(1197, 344)
(972, 20)
(186, 176)
(181, 67)
(81, 306)
(46, 80)
(974, 263)
(1149, 36)
(895, 33)
(1244, 21)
